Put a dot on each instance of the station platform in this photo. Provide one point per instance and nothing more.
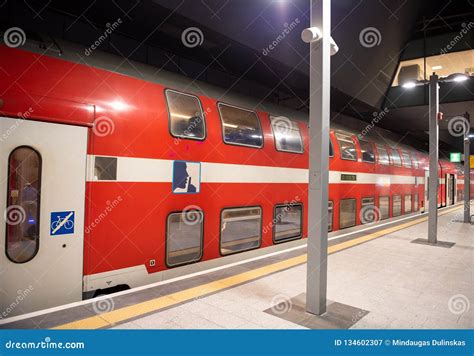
(389, 282)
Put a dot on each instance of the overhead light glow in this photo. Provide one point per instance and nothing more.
(437, 67)
(460, 78)
(409, 85)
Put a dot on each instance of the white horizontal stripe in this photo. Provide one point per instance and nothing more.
(131, 169)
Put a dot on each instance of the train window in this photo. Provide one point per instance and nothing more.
(287, 135)
(346, 146)
(186, 117)
(347, 213)
(406, 159)
(240, 229)
(330, 214)
(368, 213)
(384, 207)
(184, 235)
(240, 127)
(415, 160)
(397, 161)
(383, 155)
(416, 203)
(396, 205)
(367, 152)
(22, 214)
(407, 203)
(287, 222)
(105, 168)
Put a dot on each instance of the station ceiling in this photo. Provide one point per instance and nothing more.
(254, 46)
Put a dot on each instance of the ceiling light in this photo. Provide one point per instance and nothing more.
(460, 78)
(437, 67)
(409, 85)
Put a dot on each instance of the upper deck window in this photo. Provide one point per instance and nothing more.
(287, 135)
(406, 159)
(240, 127)
(346, 146)
(383, 155)
(185, 115)
(367, 151)
(397, 161)
(415, 160)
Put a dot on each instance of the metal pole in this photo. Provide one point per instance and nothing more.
(467, 171)
(433, 179)
(319, 110)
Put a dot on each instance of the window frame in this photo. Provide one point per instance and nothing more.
(40, 168)
(260, 229)
(404, 203)
(392, 158)
(271, 117)
(169, 115)
(340, 150)
(201, 254)
(300, 236)
(355, 213)
(380, 209)
(378, 147)
(410, 166)
(223, 130)
(362, 152)
(401, 205)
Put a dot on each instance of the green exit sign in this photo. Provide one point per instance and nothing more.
(455, 157)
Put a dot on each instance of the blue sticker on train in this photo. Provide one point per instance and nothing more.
(186, 177)
(62, 223)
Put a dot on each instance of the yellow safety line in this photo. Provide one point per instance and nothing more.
(153, 305)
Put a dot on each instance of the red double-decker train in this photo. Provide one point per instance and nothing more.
(116, 175)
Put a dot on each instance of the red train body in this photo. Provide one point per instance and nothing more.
(126, 217)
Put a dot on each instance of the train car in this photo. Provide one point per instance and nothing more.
(118, 175)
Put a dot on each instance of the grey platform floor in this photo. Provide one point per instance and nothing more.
(401, 284)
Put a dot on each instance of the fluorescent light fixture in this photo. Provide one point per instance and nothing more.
(409, 85)
(471, 136)
(437, 67)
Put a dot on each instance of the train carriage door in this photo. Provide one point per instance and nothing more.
(42, 197)
(449, 189)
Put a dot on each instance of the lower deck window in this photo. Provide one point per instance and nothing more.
(384, 207)
(396, 205)
(416, 203)
(184, 237)
(240, 229)
(407, 205)
(347, 213)
(330, 215)
(287, 222)
(368, 213)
